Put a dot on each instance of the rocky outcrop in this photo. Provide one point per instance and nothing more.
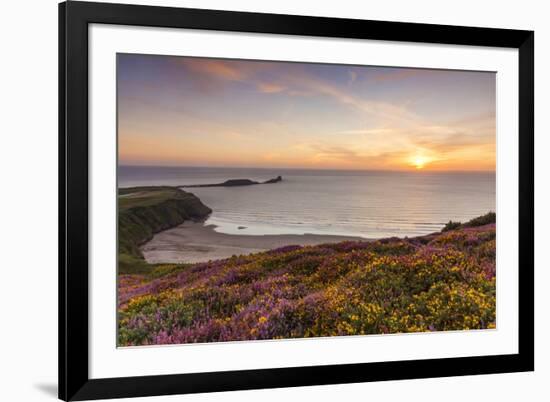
(235, 183)
(275, 180)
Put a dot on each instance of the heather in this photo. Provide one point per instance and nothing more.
(443, 281)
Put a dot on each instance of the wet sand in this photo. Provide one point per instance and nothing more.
(194, 242)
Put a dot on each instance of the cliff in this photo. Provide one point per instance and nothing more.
(144, 211)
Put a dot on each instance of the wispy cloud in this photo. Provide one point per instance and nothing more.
(270, 88)
(221, 69)
(295, 81)
(384, 110)
(397, 74)
(353, 158)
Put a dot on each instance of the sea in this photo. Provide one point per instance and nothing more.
(369, 204)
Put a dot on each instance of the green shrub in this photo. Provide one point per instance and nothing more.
(451, 226)
(489, 217)
(486, 219)
(130, 264)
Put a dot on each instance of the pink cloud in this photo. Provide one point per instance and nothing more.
(270, 88)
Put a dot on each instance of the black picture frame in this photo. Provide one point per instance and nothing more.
(74, 18)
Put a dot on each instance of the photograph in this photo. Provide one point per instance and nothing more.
(271, 200)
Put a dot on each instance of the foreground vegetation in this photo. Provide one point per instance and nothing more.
(144, 211)
(442, 281)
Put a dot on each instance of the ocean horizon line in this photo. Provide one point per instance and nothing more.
(304, 169)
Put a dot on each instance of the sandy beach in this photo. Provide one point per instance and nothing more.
(194, 242)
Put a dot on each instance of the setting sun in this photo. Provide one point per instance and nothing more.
(419, 162)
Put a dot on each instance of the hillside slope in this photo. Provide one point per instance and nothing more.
(443, 281)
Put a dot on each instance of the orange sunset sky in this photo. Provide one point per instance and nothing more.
(181, 111)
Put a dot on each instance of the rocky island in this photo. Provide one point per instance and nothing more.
(235, 183)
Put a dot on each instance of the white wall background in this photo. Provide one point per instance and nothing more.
(28, 205)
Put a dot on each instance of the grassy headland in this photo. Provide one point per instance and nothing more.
(144, 211)
(442, 281)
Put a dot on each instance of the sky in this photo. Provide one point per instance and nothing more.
(185, 111)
